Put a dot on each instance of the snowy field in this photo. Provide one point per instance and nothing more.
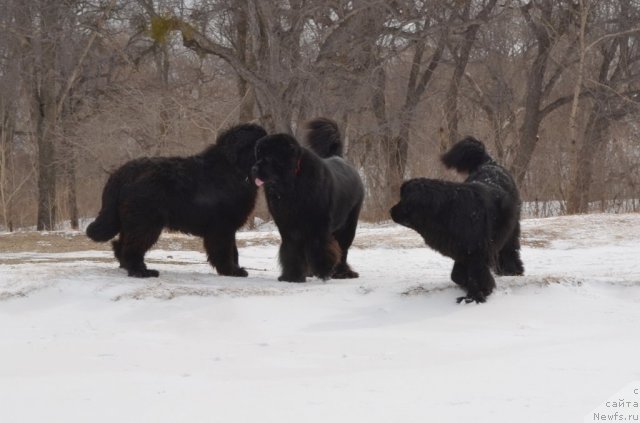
(81, 342)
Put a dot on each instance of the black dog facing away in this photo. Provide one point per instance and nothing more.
(476, 223)
(209, 195)
(315, 197)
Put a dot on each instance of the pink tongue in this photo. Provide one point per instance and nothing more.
(259, 182)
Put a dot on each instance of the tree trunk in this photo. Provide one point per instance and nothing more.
(68, 168)
(532, 114)
(576, 190)
(6, 143)
(72, 196)
(245, 91)
(391, 159)
(45, 132)
(597, 127)
(416, 88)
(46, 173)
(451, 113)
(247, 101)
(276, 113)
(45, 112)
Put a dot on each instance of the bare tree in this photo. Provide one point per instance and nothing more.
(85, 85)
(422, 42)
(270, 57)
(44, 31)
(548, 21)
(9, 92)
(613, 92)
(460, 51)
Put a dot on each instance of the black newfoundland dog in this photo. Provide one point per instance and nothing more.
(476, 223)
(209, 195)
(314, 196)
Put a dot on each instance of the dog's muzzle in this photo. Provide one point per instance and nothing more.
(395, 214)
(254, 175)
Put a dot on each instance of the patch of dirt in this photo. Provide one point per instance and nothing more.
(536, 233)
(581, 230)
(538, 237)
(162, 291)
(68, 242)
(14, 260)
(65, 242)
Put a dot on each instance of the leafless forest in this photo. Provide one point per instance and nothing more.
(551, 86)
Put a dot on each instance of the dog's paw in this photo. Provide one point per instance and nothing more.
(239, 272)
(324, 276)
(471, 298)
(284, 278)
(144, 273)
(346, 274)
(509, 272)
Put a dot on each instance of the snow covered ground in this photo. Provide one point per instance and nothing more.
(82, 342)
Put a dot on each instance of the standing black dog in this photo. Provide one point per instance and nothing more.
(476, 223)
(315, 197)
(209, 195)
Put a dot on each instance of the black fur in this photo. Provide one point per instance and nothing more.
(208, 195)
(315, 197)
(466, 156)
(323, 137)
(476, 223)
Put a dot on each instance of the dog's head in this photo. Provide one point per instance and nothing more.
(404, 212)
(420, 200)
(238, 143)
(277, 159)
(466, 156)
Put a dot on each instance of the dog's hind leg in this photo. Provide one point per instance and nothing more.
(323, 254)
(292, 260)
(236, 256)
(222, 253)
(133, 245)
(344, 236)
(479, 282)
(116, 244)
(459, 274)
(509, 262)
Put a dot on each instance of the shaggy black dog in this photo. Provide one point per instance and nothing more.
(314, 196)
(209, 195)
(476, 223)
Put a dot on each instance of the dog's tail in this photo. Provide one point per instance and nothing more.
(466, 155)
(107, 224)
(323, 137)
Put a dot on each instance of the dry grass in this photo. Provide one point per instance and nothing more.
(537, 233)
(65, 242)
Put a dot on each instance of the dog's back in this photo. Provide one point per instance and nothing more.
(347, 189)
(470, 156)
(324, 139)
(495, 176)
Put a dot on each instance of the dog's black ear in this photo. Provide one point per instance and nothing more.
(294, 148)
(237, 139)
(231, 154)
(288, 145)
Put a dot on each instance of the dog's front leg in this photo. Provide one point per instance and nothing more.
(480, 282)
(223, 253)
(292, 260)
